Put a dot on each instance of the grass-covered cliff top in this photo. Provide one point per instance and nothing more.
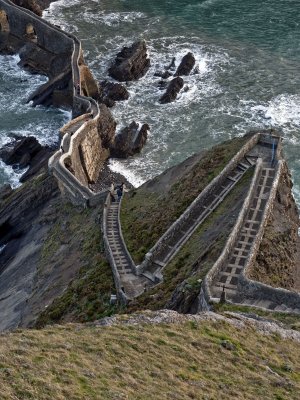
(148, 211)
(188, 359)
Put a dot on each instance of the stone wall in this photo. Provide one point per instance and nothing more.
(219, 264)
(201, 198)
(120, 293)
(248, 288)
(45, 35)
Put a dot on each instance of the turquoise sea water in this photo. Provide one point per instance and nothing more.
(248, 54)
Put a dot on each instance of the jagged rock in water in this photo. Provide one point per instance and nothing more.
(171, 66)
(26, 152)
(163, 74)
(112, 92)
(186, 65)
(162, 84)
(131, 63)
(106, 126)
(172, 91)
(130, 140)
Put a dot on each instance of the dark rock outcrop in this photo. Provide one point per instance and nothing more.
(172, 91)
(130, 140)
(36, 6)
(164, 74)
(186, 65)
(131, 63)
(26, 152)
(112, 92)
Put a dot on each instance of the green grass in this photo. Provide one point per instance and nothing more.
(190, 265)
(146, 214)
(87, 296)
(185, 360)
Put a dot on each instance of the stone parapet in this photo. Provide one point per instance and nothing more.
(201, 198)
(118, 285)
(233, 236)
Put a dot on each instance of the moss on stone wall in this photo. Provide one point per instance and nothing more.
(147, 213)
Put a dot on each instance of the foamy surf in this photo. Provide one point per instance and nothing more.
(119, 167)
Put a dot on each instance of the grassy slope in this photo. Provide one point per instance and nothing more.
(146, 214)
(157, 362)
(197, 256)
(87, 296)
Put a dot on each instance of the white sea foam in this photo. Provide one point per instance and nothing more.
(2, 248)
(11, 175)
(112, 19)
(119, 167)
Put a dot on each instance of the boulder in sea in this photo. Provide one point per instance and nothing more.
(186, 65)
(163, 74)
(131, 63)
(172, 91)
(130, 140)
(112, 92)
(26, 152)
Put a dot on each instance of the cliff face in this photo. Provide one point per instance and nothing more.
(47, 245)
(276, 263)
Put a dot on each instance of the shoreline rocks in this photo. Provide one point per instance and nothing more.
(130, 140)
(186, 65)
(172, 91)
(131, 63)
(26, 152)
(112, 92)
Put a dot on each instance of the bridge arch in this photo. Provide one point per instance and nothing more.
(31, 33)
(4, 24)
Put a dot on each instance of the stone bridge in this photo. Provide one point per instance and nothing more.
(81, 155)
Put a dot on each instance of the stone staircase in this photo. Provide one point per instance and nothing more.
(200, 212)
(131, 284)
(229, 275)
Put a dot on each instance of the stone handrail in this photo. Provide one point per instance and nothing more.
(233, 235)
(120, 293)
(130, 260)
(199, 199)
(253, 289)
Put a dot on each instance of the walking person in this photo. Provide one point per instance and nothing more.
(119, 193)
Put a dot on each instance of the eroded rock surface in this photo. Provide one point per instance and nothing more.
(172, 91)
(26, 152)
(186, 65)
(112, 92)
(130, 140)
(131, 63)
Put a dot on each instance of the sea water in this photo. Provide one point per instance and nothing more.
(248, 60)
